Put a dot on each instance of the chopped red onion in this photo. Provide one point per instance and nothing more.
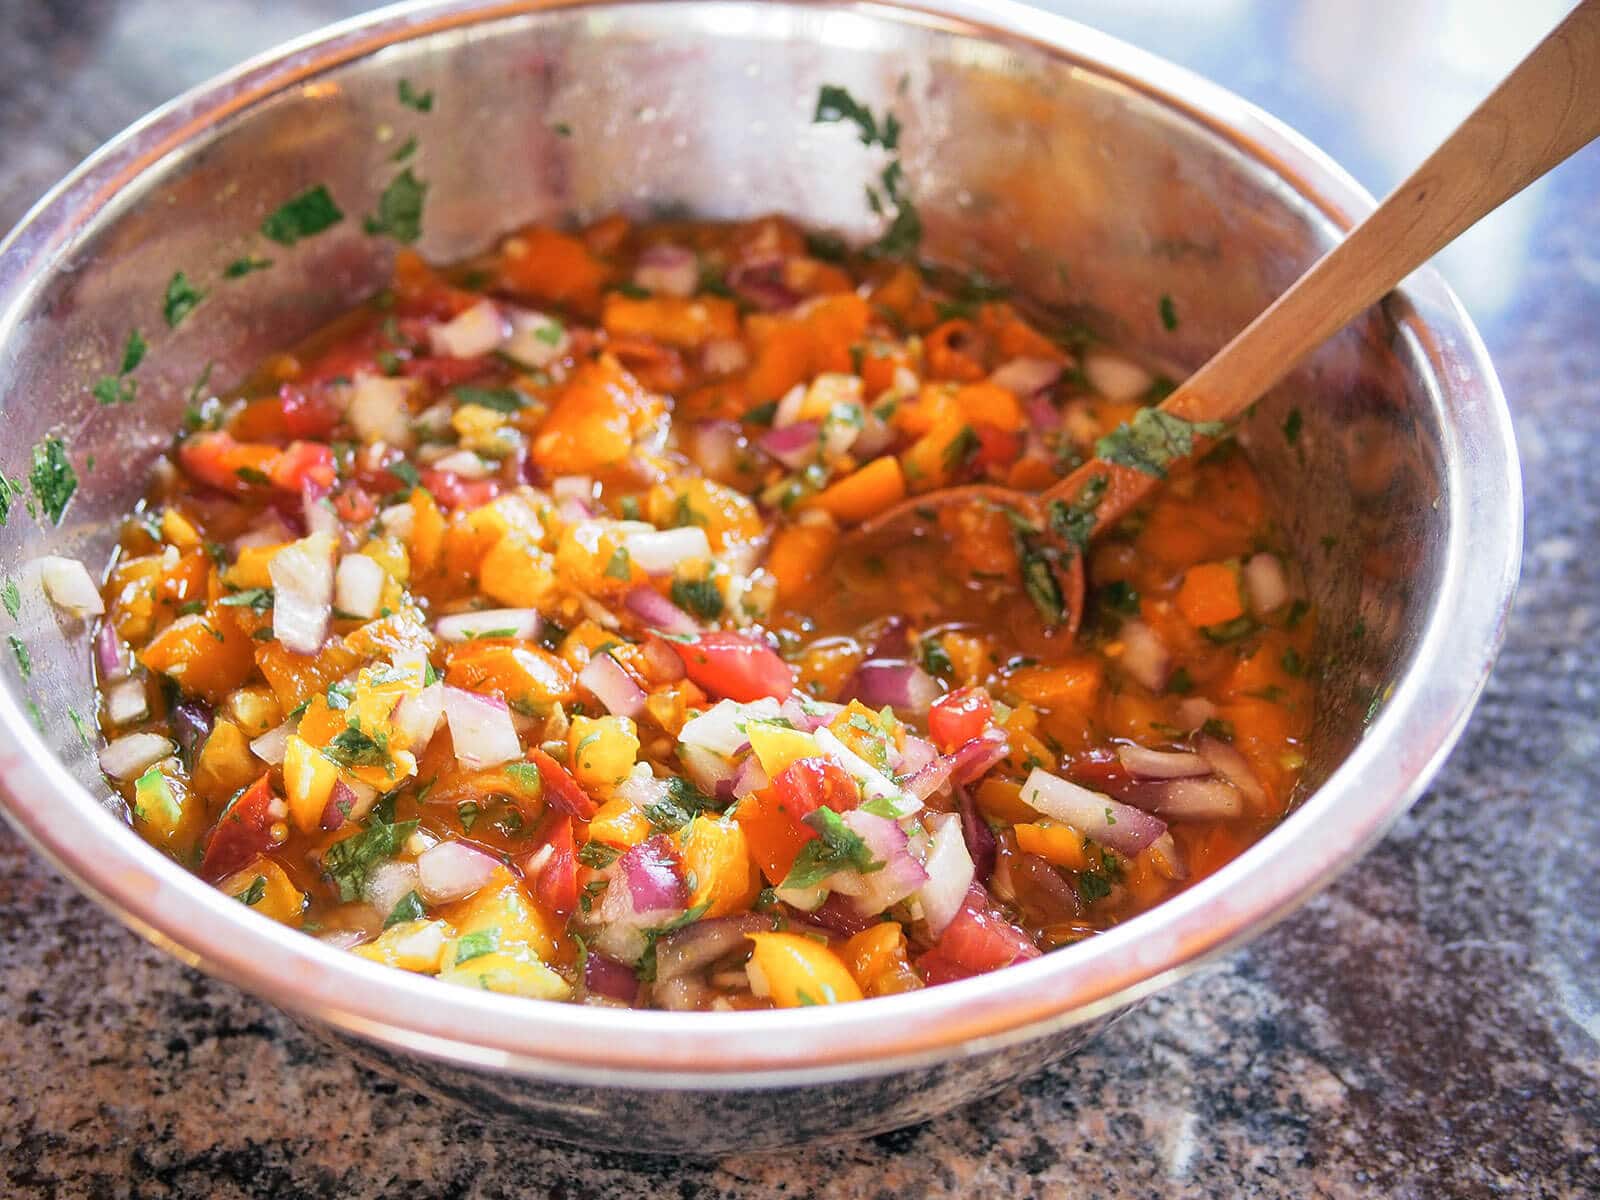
(480, 728)
(660, 552)
(981, 844)
(931, 778)
(699, 945)
(1042, 876)
(792, 445)
(1162, 764)
(417, 716)
(671, 270)
(649, 875)
(111, 657)
(904, 686)
(453, 871)
(1025, 377)
(686, 993)
(1144, 656)
(809, 715)
(710, 772)
(751, 777)
(1120, 826)
(950, 873)
(893, 639)
(613, 686)
(1199, 799)
(302, 589)
(1167, 858)
(524, 623)
(1265, 583)
(916, 754)
(1227, 762)
(377, 409)
(605, 976)
(720, 729)
(837, 914)
(659, 613)
(191, 725)
(714, 446)
(761, 283)
(900, 876)
(974, 758)
(875, 436)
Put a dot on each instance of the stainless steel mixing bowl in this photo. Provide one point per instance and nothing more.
(1089, 174)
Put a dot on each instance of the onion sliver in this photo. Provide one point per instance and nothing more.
(416, 718)
(900, 876)
(481, 728)
(950, 874)
(1199, 799)
(671, 270)
(523, 623)
(388, 884)
(605, 976)
(272, 745)
(302, 593)
(377, 410)
(1111, 823)
(660, 551)
(1162, 764)
(1227, 762)
(701, 944)
(613, 686)
(904, 686)
(792, 445)
(1265, 583)
(130, 756)
(453, 871)
(659, 613)
(68, 584)
(1022, 377)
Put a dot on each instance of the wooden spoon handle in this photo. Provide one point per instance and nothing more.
(1547, 109)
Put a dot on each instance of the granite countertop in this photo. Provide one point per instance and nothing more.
(1426, 1027)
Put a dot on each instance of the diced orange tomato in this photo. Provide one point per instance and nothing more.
(798, 971)
(1210, 595)
(716, 856)
(878, 486)
(685, 322)
(541, 264)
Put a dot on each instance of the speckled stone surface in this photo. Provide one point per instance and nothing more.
(1428, 1027)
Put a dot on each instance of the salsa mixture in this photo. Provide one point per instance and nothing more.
(505, 631)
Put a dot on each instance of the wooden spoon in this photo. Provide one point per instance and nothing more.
(1547, 109)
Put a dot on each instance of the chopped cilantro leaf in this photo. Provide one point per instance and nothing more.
(350, 861)
(399, 212)
(53, 479)
(255, 893)
(309, 213)
(411, 98)
(620, 566)
(598, 855)
(961, 449)
(133, 351)
(407, 908)
(351, 747)
(181, 299)
(526, 776)
(1169, 314)
(111, 390)
(1074, 522)
(1120, 597)
(24, 660)
(1153, 440)
(836, 104)
(647, 961)
(698, 596)
(476, 945)
(1229, 631)
(258, 599)
(11, 598)
(240, 267)
(506, 400)
(406, 150)
(935, 659)
(836, 847)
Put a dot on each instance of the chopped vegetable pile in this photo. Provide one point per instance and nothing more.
(503, 632)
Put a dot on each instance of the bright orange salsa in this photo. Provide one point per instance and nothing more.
(503, 632)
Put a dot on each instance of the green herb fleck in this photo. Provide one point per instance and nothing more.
(411, 98)
(1074, 522)
(11, 598)
(308, 214)
(181, 299)
(1153, 440)
(350, 861)
(53, 479)
(620, 565)
(24, 660)
(351, 747)
(1292, 424)
(400, 209)
(255, 893)
(698, 596)
(1119, 597)
(598, 855)
(836, 847)
(240, 267)
(476, 945)
(1169, 314)
(406, 150)
(258, 599)
(935, 659)
(506, 400)
(961, 449)
(1230, 631)
(407, 908)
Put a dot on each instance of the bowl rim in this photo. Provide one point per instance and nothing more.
(1386, 771)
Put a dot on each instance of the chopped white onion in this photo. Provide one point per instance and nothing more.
(453, 871)
(1144, 655)
(416, 718)
(1023, 377)
(1123, 827)
(1115, 378)
(320, 517)
(126, 702)
(466, 464)
(302, 587)
(68, 584)
(129, 757)
(536, 340)
(358, 586)
(613, 686)
(481, 729)
(950, 874)
(659, 553)
(1199, 799)
(376, 409)
(1265, 583)
(723, 356)
(573, 487)
(490, 622)
(719, 728)
(271, 745)
(388, 884)
(469, 334)
(435, 420)
(668, 269)
(1195, 711)
(397, 520)
(789, 407)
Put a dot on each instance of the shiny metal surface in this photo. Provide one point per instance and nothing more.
(1032, 144)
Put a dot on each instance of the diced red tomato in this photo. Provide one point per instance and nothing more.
(1102, 771)
(813, 783)
(452, 491)
(561, 790)
(978, 940)
(355, 506)
(958, 717)
(304, 464)
(307, 412)
(244, 830)
(345, 361)
(997, 447)
(735, 666)
(557, 881)
(217, 460)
